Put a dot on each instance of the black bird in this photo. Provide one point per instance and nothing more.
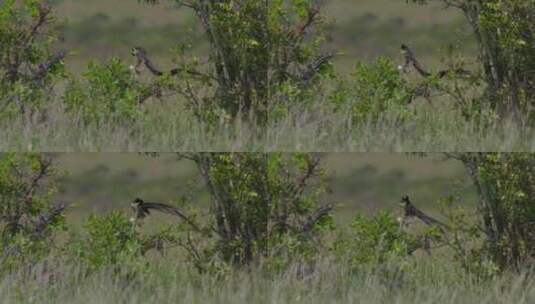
(412, 211)
(142, 210)
(411, 59)
(142, 59)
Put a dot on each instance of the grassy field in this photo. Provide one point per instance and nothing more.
(422, 280)
(419, 281)
(309, 129)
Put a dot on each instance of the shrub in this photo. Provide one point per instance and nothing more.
(263, 204)
(29, 216)
(502, 30)
(29, 67)
(374, 90)
(108, 93)
(373, 241)
(268, 49)
(107, 240)
(505, 184)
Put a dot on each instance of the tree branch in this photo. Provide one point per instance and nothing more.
(44, 67)
(45, 219)
(313, 218)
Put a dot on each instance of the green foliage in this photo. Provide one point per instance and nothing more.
(465, 238)
(505, 184)
(261, 201)
(267, 50)
(28, 215)
(107, 240)
(29, 67)
(108, 93)
(509, 28)
(374, 90)
(504, 31)
(373, 241)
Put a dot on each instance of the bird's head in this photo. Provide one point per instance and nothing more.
(137, 50)
(137, 201)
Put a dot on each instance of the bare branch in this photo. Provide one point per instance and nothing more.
(44, 220)
(317, 215)
(44, 67)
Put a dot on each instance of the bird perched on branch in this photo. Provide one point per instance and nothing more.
(142, 59)
(412, 211)
(142, 210)
(410, 59)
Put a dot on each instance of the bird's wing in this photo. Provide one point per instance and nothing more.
(164, 208)
(143, 58)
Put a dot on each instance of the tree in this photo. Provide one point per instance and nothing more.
(502, 232)
(28, 213)
(28, 63)
(257, 48)
(259, 200)
(505, 184)
(501, 235)
(262, 206)
(504, 31)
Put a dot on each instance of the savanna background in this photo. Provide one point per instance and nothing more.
(99, 187)
(360, 106)
(72, 234)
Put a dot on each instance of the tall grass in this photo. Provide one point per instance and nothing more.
(419, 281)
(316, 128)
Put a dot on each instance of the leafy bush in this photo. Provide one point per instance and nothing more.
(465, 238)
(507, 27)
(262, 202)
(106, 241)
(28, 214)
(505, 184)
(29, 67)
(268, 49)
(373, 241)
(108, 92)
(374, 90)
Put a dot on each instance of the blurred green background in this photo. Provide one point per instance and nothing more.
(101, 182)
(359, 29)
